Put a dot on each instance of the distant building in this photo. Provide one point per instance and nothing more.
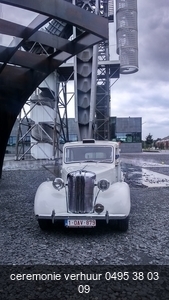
(13, 136)
(127, 131)
(162, 144)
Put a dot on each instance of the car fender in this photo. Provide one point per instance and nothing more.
(47, 199)
(116, 198)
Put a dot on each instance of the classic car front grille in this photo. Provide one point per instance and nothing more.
(80, 191)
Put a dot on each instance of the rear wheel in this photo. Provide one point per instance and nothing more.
(123, 224)
(45, 224)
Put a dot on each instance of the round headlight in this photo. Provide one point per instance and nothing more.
(58, 183)
(98, 208)
(103, 184)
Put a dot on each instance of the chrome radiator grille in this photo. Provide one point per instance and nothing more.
(80, 191)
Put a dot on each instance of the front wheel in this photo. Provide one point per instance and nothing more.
(45, 224)
(123, 224)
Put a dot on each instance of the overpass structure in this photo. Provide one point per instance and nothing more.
(37, 57)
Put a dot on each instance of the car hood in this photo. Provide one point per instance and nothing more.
(102, 170)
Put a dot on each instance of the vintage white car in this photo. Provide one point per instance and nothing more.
(91, 188)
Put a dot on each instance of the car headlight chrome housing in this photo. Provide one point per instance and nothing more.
(103, 184)
(58, 183)
(98, 208)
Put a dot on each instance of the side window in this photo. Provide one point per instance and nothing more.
(117, 155)
(68, 155)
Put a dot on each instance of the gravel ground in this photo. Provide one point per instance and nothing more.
(146, 242)
(23, 243)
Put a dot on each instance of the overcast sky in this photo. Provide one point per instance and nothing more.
(146, 93)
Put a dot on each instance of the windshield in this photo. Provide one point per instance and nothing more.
(89, 154)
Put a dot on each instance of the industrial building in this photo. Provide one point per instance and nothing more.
(127, 131)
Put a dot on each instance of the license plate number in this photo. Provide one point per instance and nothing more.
(80, 223)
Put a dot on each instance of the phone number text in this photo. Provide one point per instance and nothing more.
(151, 276)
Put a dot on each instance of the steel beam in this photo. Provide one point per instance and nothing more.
(17, 30)
(44, 63)
(65, 11)
(21, 72)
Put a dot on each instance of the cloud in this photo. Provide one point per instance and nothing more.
(146, 93)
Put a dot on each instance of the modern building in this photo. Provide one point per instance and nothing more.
(12, 141)
(127, 131)
(13, 136)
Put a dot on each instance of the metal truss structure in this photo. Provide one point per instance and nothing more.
(43, 47)
(55, 132)
(22, 71)
(91, 72)
(92, 80)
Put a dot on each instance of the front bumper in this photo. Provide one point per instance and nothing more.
(95, 216)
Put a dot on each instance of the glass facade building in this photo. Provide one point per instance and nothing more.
(127, 131)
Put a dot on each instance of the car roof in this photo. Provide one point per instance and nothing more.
(92, 143)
